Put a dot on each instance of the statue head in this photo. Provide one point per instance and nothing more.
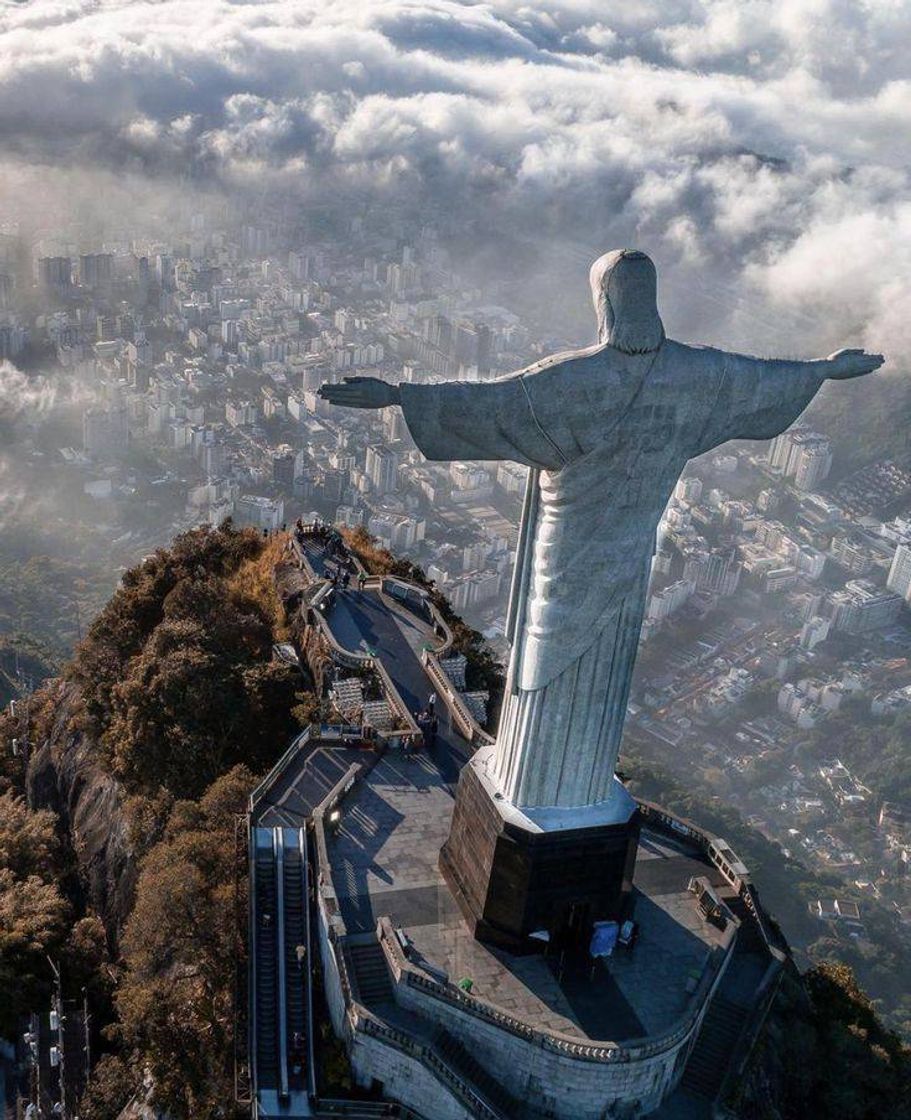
(625, 290)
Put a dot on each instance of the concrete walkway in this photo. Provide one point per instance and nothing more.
(373, 623)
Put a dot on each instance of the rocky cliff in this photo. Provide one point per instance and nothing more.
(64, 775)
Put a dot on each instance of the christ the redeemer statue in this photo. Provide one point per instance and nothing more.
(606, 432)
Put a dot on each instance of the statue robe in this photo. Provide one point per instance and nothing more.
(606, 435)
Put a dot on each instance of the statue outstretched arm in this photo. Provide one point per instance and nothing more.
(758, 398)
(844, 364)
(461, 419)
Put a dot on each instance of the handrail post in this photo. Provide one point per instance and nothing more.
(278, 847)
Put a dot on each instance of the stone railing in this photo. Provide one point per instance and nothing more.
(352, 659)
(467, 726)
(720, 854)
(568, 1045)
(331, 802)
(408, 1044)
(357, 1016)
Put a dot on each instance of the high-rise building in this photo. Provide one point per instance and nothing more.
(12, 340)
(382, 468)
(258, 512)
(394, 426)
(240, 413)
(663, 603)
(802, 455)
(105, 431)
(96, 270)
(55, 272)
(688, 489)
(863, 607)
(812, 462)
(899, 579)
(283, 468)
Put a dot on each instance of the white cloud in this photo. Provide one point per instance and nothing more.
(763, 143)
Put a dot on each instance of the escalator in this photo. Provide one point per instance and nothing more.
(280, 954)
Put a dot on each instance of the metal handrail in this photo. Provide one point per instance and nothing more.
(740, 882)
(260, 790)
(305, 883)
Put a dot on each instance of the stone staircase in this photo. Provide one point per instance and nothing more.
(749, 936)
(373, 981)
(371, 974)
(708, 1062)
(461, 1061)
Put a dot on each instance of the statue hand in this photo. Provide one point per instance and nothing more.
(852, 363)
(361, 392)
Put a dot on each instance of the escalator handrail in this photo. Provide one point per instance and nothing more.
(278, 844)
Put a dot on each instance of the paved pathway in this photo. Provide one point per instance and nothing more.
(370, 622)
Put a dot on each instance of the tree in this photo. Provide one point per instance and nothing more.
(28, 839)
(32, 924)
(175, 999)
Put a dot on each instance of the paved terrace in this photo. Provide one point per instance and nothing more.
(384, 862)
(371, 622)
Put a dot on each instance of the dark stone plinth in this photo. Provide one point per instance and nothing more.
(511, 882)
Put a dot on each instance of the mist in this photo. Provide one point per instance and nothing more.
(760, 162)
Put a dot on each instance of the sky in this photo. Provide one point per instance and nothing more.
(758, 150)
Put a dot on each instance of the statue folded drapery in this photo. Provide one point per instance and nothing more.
(606, 432)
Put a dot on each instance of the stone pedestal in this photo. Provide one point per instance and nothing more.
(516, 874)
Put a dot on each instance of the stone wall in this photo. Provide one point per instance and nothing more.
(332, 984)
(577, 1089)
(404, 1079)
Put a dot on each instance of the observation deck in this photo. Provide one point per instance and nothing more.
(449, 1026)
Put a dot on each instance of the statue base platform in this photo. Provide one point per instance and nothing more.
(526, 880)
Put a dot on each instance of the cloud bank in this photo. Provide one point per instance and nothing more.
(762, 144)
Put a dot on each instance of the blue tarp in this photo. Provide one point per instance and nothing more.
(604, 939)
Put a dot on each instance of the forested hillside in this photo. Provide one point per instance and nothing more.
(169, 707)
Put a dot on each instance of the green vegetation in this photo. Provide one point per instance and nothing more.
(174, 998)
(787, 888)
(33, 913)
(876, 750)
(866, 420)
(173, 690)
(826, 1055)
(176, 672)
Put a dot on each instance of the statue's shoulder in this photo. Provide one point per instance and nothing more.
(680, 358)
(598, 368)
(690, 353)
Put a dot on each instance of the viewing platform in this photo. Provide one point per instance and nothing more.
(455, 1028)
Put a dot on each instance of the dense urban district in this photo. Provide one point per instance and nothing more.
(171, 384)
